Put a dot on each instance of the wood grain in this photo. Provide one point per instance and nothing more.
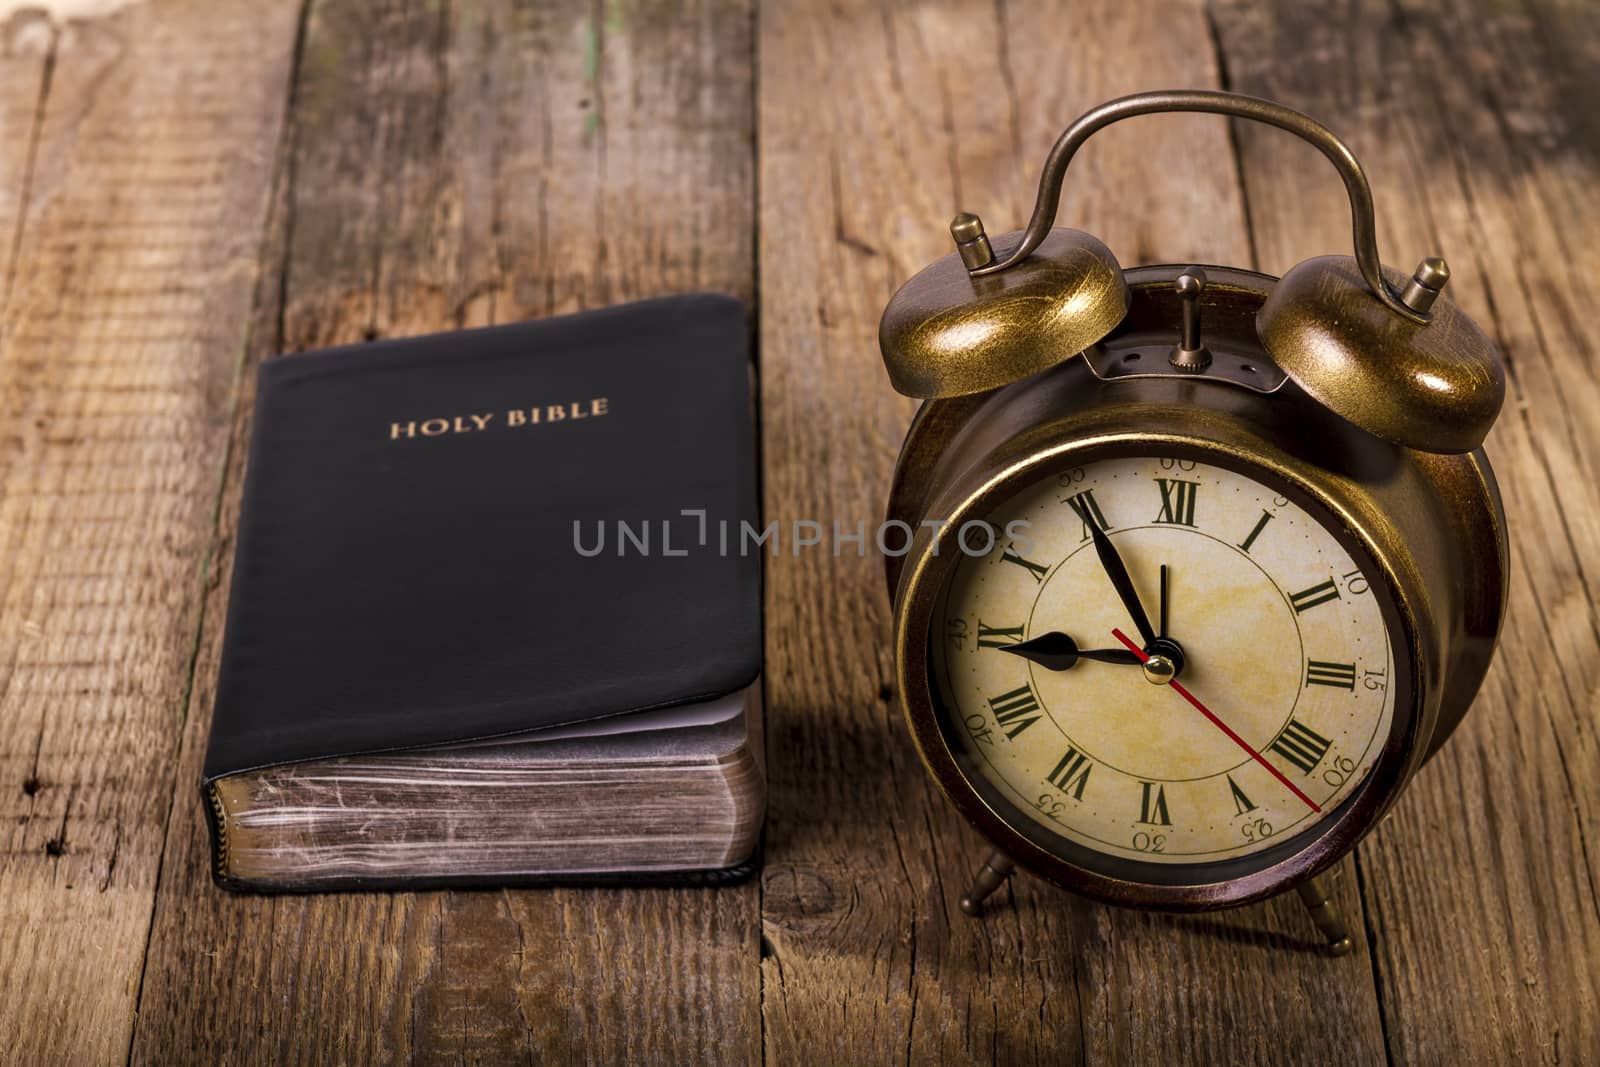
(458, 166)
(186, 186)
(869, 955)
(27, 57)
(1480, 890)
(136, 219)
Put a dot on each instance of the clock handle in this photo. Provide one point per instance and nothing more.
(1412, 304)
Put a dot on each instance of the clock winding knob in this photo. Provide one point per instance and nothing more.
(1190, 354)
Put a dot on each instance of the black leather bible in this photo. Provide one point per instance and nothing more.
(492, 618)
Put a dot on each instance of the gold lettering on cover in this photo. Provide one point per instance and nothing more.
(571, 411)
(535, 415)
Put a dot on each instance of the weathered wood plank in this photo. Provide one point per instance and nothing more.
(460, 165)
(27, 47)
(445, 171)
(877, 123)
(137, 229)
(1477, 127)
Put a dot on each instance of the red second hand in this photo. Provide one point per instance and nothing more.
(1219, 724)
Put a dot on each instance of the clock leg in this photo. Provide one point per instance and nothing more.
(991, 876)
(1325, 913)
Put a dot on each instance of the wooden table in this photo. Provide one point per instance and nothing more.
(189, 187)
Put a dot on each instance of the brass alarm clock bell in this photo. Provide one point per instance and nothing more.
(1207, 563)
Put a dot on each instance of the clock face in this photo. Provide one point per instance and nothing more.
(1254, 697)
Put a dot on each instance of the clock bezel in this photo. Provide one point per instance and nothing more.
(1107, 876)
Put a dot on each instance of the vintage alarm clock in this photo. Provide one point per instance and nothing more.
(1206, 564)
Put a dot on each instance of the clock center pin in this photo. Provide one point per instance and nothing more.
(1165, 661)
(1159, 670)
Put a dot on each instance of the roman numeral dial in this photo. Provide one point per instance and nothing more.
(1276, 627)
(1178, 500)
(1256, 530)
(1035, 570)
(1016, 710)
(1153, 805)
(1301, 746)
(1333, 675)
(1311, 596)
(1242, 804)
(1088, 511)
(997, 636)
(1071, 773)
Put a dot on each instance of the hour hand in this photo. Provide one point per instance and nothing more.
(1056, 651)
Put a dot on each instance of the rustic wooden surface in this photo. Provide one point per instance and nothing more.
(188, 187)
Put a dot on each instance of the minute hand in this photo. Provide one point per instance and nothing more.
(1122, 583)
